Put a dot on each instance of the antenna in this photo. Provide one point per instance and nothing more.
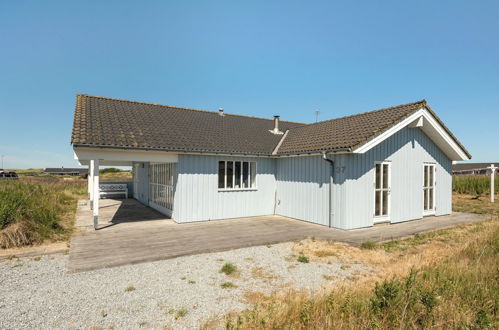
(317, 112)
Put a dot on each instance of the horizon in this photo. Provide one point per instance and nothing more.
(255, 59)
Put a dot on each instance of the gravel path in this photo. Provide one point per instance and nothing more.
(179, 293)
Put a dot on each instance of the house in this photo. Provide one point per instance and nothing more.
(472, 168)
(66, 171)
(388, 165)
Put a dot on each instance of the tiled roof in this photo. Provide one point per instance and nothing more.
(345, 132)
(108, 122)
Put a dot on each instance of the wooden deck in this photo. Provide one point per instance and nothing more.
(126, 239)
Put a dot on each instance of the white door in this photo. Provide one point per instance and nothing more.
(428, 189)
(382, 184)
(161, 183)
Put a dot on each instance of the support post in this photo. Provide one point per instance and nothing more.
(96, 194)
(492, 181)
(91, 183)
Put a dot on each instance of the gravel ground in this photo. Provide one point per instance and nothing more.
(179, 293)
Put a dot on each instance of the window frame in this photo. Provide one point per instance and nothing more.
(251, 164)
(433, 187)
(382, 217)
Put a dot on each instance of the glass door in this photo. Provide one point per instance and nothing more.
(428, 189)
(382, 184)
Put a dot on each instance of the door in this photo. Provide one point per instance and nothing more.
(428, 189)
(161, 185)
(136, 181)
(382, 183)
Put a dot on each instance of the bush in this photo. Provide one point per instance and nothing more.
(303, 259)
(33, 211)
(473, 184)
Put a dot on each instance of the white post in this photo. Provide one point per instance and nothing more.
(492, 179)
(90, 178)
(96, 195)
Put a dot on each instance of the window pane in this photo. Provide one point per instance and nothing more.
(377, 204)
(237, 175)
(425, 181)
(385, 202)
(245, 175)
(253, 174)
(378, 176)
(221, 175)
(385, 175)
(430, 197)
(430, 169)
(230, 172)
(425, 198)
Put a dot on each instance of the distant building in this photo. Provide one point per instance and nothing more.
(472, 168)
(67, 171)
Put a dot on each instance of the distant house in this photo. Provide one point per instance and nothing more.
(472, 168)
(66, 171)
(388, 165)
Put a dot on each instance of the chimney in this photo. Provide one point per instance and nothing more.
(221, 111)
(276, 126)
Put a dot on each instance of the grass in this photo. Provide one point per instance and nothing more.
(228, 285)
(228, 269)
(441, 279)
(32, 212)
(180, 313)
(130, 288)
(475, 204)
(303, 259)
(368, 245)
(473, 184)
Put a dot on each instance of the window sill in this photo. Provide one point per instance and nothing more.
(237, 189)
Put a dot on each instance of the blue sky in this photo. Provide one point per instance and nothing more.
(258, 58)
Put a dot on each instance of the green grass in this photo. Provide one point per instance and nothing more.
(31, 212)
(228, 269)
(180, 313)
(303, 259)
(368, 245)
(473, 184)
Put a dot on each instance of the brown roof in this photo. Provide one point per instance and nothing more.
(350, 132)
(107, 122)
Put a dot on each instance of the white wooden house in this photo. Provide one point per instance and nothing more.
(388, 165)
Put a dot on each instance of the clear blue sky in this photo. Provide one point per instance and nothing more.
(257, 58)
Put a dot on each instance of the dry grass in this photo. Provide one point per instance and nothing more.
(442, 279)
(262, 274)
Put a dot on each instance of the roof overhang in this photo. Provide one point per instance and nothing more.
(122, 157)
(424, 120)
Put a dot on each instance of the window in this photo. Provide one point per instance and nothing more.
(429, 188)
(382, 190)
(236, 175)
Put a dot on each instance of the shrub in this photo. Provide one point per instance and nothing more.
(303, 259)
(228, 268)
(228, 285)
(473, 184)
(180, 313)
(31, 212)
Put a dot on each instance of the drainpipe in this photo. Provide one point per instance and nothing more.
(324, 156)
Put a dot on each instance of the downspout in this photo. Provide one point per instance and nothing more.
(324, 156)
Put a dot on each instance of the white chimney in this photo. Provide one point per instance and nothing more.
(221, 111)
(276, 126)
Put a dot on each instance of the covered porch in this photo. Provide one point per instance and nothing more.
(153, 183)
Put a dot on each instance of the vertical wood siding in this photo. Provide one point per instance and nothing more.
(197, 197)
(303, 189)
(407, 150)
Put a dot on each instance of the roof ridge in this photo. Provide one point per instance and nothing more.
(181, 108)
(422, 101)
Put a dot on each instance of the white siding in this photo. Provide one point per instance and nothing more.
(303, 189)
(407, 150)
(142, 172)
(197, 197)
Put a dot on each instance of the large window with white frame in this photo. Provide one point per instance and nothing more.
(236, 175)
